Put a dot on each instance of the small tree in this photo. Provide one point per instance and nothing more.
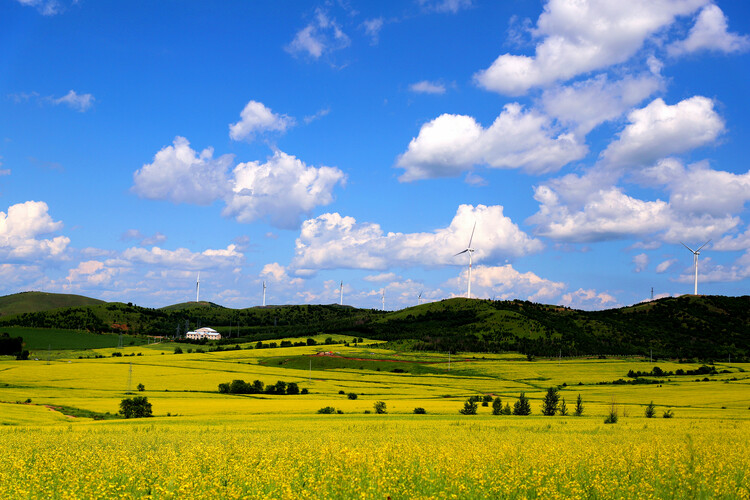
(420, 411)
(292, 388)
(549, 403)
(668, 414)
(280, 387)
(178, 350)
(305, 391)
(579, 407)
(497, 406)
(563, 409)
(327, 410)
(506, 410)
(141, 387)
(650, 410)
(379, 407)
(352, 395)
(137, 407)
(470, 408)
(522, 406)
(258, 386)
(612, 415)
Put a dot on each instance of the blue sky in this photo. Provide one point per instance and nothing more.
(308, 143)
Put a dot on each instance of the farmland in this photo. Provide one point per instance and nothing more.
(202, 443)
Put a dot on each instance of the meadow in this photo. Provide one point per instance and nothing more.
(201, 443)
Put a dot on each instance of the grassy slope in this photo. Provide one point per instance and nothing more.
(41, 301)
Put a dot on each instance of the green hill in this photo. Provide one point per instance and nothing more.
(25, 302)
(707, 327)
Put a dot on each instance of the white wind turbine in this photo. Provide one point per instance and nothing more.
(198, 288)
(696, 253)
(341, 293)
(383, 299)
(470, 251)
(419, 298)
(264, 294)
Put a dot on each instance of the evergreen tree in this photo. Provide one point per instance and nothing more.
(470, 408)
(650, 410)
(522, 406)
(549, 403)
(579, 407)
(497, 406)
(563, 409)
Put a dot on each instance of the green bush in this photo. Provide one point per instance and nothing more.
(420, 411)
(470, 408)
(650, 410)
(380, 407)
(668, 414)
(292, 388)
(137, 407)
(327, 410)
(141, 387)
(352, 395)
(178, 350)
(612, 415)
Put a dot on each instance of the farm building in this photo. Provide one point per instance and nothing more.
(204, 333)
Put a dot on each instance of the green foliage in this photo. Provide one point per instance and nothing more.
(668, 414)
(470, 408)
(292, 388)
(579, 407)
(178, 350)
(352, 395)
(612, 417)
(497, 406)
(650, 410)
(522, 406)
(137, 407)
(10, 345)
(380, 407)
(419, 411)
(327, 410)
(141, 387)
(305, 391)
(563, 409)
(550, 401)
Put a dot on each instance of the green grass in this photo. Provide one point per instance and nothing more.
(41, 339)
(41, 301)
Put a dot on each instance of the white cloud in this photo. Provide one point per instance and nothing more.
(182, 258)
(710, 33)
(377, 278)
(665, 265)
(641, 262)
(427, 87)
(45, 7)
(331, 241)
(321, 35)
(372, 29)
(582, 36)
(278, 273)
(452, 144)
(79, 102)
(449, 6)
(659, 130)
(506, 283)
(591, 102)
(733, 242)
(134, 234)
(282, 189)
(181, 175)
(21, 228)
(588, 299)
(91, 272)
(319, 114)
(257, 118)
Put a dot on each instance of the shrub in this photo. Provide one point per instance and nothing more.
(506, 410)
(668, 414)
(280, 387)
(420, 411)
(352, 395)
(563, 409)
(141, 387)
(485, 403)
(178, 350)
(379, 407)
(137, 407)
(305, 391)
(470, 408)
(23, 355)
(292, 388)
(327, 410)
(487, 399)
(612, 416)
(367, 412)
(650, 410)
(522, 406)
(579, 407)
(116, 354)
(342, 392)
(549, 403)
(497, 406)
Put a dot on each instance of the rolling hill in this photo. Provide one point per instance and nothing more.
(26, 302)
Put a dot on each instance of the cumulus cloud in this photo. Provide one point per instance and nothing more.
(733, 242)
(182, 258)
(79, 102)
(452, 144)
(278, 273)
(586, 104)
(377, 278)
(91, 272)
(182, 175)
(589, 299)
(256, 118)
(20, 231)
(641, 262)
(323, 34)
(427, 87)
(506, 283)
(332, 241)
(282, 189)
(659, 130)
(710, 33)
(663, 266)
(578, 37)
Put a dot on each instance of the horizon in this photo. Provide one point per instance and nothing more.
(359, 142)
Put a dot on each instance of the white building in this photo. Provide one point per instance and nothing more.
(204, 333)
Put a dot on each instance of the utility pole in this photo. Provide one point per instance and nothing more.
(130, 377)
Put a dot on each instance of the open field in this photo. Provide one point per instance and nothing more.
(205, 444)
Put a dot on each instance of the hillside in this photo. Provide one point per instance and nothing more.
(26, 302)
(707, 327)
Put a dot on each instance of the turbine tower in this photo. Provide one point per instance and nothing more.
(383, 299)
(264, 294)
(419, 298)
(341, 294)
(696, 253)
(470, 251)
(198, 288)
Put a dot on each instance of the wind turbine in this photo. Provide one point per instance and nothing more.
(419, 298)
(383, 299)
(696, 253)
(470, 251)
(198, 288)
(341, 293)
(264, 294)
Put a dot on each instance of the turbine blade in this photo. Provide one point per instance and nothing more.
(688, 247)
(472, 234)
(459, 253)
(703, 245)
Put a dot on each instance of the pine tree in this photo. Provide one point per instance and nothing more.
(650, 410)
(579, 407)
(549, 403)
(522, 406)
(563, 409)
(470, 408)
(497, 406)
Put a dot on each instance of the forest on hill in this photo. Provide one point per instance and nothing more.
(704, 327)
